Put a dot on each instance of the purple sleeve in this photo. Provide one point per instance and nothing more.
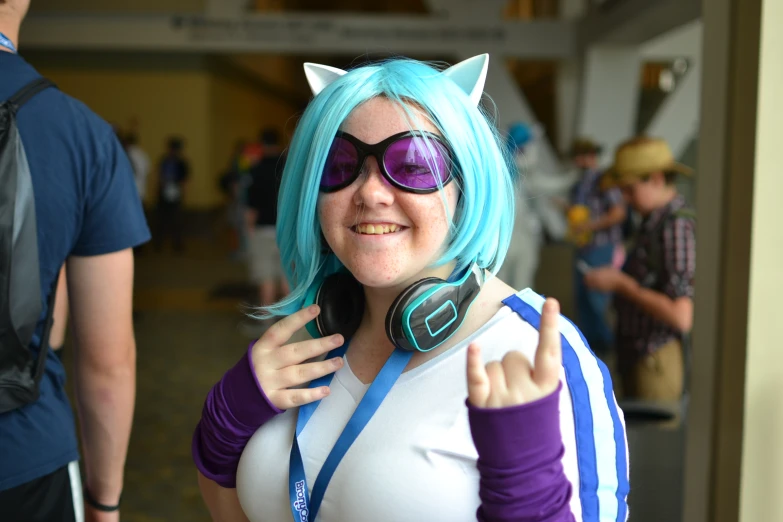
(235, 408)
(519, 459)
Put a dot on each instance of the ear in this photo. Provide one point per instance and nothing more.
(470, 75)
(319, 76)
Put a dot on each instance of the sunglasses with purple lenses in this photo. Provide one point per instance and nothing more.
(411, 161)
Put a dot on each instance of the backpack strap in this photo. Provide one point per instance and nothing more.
(14, 103)
(28, 91)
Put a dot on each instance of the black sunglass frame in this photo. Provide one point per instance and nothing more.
(378, 151)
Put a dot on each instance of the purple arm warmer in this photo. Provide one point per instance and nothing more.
(520, 450)
(235, 408)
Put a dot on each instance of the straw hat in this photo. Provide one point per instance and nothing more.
(585, 146)
(640, 157)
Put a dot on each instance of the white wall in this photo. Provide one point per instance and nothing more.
(762, 447)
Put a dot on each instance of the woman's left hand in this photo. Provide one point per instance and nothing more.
(513, 381)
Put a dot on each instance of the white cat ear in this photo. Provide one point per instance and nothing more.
(470, 75)
(319, 76)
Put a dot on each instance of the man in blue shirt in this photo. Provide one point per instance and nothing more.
(89, 217)
(604, 228)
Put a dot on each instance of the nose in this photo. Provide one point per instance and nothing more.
(374, 189)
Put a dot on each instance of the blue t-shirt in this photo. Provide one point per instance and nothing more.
(86, 204)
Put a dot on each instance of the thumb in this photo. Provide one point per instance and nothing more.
(549, 355)
(478, 380)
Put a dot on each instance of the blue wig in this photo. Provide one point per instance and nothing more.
(482, 225)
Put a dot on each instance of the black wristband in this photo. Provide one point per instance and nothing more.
(97, 505)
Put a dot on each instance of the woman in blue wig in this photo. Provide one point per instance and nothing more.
(404, 381)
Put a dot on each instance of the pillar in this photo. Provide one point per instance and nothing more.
(609, 96)
(761, 478)
(734, 461)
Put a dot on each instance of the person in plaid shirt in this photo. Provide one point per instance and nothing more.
(654, 291)
(603, 228)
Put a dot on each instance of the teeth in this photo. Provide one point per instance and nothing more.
(376, 229)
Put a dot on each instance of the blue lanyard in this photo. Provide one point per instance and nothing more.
(7, 43)
(304, 508)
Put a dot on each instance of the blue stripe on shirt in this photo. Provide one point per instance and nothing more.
(623, 485)
(600, 436)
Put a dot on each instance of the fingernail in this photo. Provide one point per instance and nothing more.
(314, 309)
(337, 361)
(337, 339)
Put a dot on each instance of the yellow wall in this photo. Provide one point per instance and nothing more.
(107, 6)
(282, 71)
(239, 111)
(163, 104)
(209, 110)
(762, 446)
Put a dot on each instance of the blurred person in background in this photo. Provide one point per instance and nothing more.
(539, 218)
(595, 218)
(519, 268)
(140, 162)
(174, 172)
(88, 217)
(266, 270)
(235, 207)
(654, 290)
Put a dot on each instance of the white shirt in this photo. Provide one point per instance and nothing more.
(415, 459)
(141, 168)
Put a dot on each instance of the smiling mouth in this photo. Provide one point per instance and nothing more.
(377, 229)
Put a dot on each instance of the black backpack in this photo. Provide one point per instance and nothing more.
(20, 285)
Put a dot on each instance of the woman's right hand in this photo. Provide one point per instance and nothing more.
(280, 366)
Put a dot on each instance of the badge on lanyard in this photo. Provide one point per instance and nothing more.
(303, 508)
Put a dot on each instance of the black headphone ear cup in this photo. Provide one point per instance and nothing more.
(394, 317)
(341, 298)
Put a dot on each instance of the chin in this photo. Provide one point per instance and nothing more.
(382, 272)
(371, 278)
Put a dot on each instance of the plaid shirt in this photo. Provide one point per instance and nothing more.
(587, 191)
(676, 249)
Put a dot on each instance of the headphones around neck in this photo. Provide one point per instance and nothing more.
(422, 317)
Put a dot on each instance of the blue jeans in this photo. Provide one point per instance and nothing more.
(591, 305)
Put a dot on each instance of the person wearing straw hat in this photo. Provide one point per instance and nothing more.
(595, 218)
(654, 290)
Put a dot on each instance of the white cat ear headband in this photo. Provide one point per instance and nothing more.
(469, 75)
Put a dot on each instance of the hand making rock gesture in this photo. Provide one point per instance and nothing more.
(513, 381)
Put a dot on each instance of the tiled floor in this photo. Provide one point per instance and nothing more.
(186, 340)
